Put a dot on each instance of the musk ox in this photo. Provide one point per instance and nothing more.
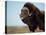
(32, 16)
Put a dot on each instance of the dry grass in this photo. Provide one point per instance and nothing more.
(17, 29)
(24, 29)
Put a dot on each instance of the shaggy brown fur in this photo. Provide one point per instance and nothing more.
(35, 20)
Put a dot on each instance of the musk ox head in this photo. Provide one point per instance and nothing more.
(28, 9)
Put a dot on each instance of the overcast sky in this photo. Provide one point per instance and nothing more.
(13, 11)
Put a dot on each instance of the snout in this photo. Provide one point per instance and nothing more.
(21, 16)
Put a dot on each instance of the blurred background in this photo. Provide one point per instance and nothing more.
(14, 23)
